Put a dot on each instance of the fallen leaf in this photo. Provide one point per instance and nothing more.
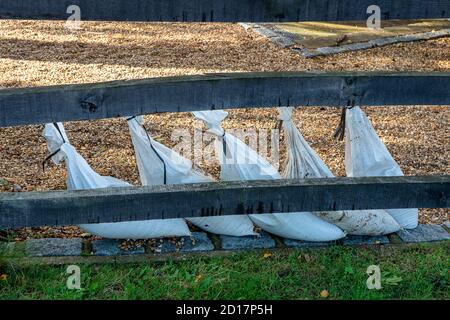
(198, 278)
(267, 255)
(324, 294)
(3, 277)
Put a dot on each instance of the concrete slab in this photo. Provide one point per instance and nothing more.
(198, 242)
(305, 244)
(364, 240)
(263, 241)
(53, 247)
(109, 247)
(313, 39)
(424, 233)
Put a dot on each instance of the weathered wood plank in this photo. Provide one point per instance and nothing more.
(219, 91)
(215, 199)
(224, 10)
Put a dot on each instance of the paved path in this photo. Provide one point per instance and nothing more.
(324, 38)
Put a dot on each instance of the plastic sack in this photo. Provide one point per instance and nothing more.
(240, 162)
(81, 176)
(303, 162)
(160, 165)
(366, 156)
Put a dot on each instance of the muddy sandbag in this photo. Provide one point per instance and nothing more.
(303, 162)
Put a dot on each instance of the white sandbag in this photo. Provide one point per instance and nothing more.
(303, 162)
(160, 165)
(366, 156)
(240, 162)
(81, 176)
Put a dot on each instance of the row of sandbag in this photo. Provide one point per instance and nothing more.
(366, 155)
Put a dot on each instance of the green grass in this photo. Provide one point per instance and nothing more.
(408, 272)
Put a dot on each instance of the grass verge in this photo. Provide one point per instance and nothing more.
(407, 272)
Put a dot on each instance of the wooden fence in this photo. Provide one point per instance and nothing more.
(218, 91)
(224, 10)
(224, 198)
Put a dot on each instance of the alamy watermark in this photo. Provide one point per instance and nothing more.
(74, 280)
(206, 149)
(73, 22)
(374, 279)
(374, 20)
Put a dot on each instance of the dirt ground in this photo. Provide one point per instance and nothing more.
(41, 53)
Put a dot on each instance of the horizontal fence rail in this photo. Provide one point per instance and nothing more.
(224, 10)
(219, 91)
(224, 198)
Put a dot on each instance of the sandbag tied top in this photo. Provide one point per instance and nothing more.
(303, 162)
(80, 176)
(56, 136)
(156, 161)
(240, 162)
(366, 155)
(213, 120)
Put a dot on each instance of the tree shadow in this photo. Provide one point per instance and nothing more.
(159, 53)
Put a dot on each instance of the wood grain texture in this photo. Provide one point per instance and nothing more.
(224, 198)
(220, 91)
(224, 10)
